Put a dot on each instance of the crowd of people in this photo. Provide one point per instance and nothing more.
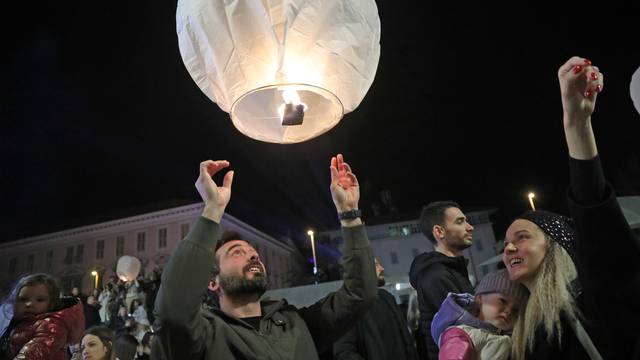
(567, 291)
(47, 324)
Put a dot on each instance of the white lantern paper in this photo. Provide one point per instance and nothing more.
(252, 57)
(635, 89)
(128, 268)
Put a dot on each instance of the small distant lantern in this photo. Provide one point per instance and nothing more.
(635, 89)
(285, 70)
(128, 268)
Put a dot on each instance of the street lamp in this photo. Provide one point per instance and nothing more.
(313, 249)
(531, 196)
(96, 276)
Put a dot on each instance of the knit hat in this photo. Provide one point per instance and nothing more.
(499, 282)
(556, 226)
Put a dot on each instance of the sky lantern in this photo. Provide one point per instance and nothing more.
(285, 70)
(635, 89)
(128, 268)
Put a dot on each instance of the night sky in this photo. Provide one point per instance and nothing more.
(99, 116)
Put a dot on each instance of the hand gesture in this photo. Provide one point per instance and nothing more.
(345, 189)
(580, 83)
(215, 197)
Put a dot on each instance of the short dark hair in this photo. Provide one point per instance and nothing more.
(433, 214)
(227, 236)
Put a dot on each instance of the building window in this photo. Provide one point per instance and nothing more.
(12, 265)
(120, 246)
(30, 259)
(68, 259)
(184, 230)
(100, 249)
(162, 238)
(79, 253)
(49, 259)
(394, 257)
(141, 240)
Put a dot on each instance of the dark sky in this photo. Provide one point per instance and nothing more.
(99, 115)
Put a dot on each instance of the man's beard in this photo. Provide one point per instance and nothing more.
(239, 285)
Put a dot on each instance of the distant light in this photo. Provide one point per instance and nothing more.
(397, 287)
(94, 273)
(531, 195)
(310, 232)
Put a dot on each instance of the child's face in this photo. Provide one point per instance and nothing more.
(31, 300)
(498, 310)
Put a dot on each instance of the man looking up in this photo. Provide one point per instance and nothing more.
(444, 270)
(244, 327)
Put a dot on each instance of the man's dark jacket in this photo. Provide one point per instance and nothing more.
(434, 275)
(285, 332)
(381, 335)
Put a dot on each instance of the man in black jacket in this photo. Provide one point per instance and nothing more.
(243, 327)
(382, 334)
(444, 270)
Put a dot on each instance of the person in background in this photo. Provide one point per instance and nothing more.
(381, 334)
(97, 344)
(435, 274)
(43, 324)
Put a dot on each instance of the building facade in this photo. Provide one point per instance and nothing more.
(73, 254)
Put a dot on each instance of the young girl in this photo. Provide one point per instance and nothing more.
(43, 324)
(468, 327)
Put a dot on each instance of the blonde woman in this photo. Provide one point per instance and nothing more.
(547, 252)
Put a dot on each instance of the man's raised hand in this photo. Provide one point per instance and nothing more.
(345, 189)
(215, 197)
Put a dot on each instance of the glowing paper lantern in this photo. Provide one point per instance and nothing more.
(635, 89)
(285, 70)
(128, 268)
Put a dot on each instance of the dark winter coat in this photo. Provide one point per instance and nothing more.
(434, 275)
(382, 334)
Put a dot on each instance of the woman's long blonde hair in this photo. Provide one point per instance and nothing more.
(550, 297)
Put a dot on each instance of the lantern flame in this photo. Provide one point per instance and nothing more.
(292, 110)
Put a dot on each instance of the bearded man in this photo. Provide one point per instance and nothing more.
(243, 327)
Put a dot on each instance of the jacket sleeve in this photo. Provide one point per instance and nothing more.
(456, 344)
(49, 336)
(183, 331)
(330, 317)
(607, 257)
(346, 348)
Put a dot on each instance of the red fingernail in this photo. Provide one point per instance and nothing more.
(588, 93)
(587, 62)
(598, 88)
(577, 69)
(594, 76)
